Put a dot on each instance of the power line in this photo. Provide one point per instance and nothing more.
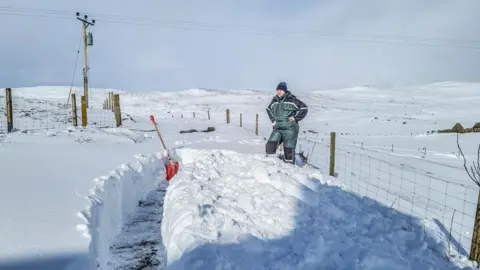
(196, 23)
(114, 18)
(75, 67)
(228, 28)
(76, 61)
(22, 9)
(33, 15)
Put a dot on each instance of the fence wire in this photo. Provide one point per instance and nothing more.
(406, 190)
(33, 114)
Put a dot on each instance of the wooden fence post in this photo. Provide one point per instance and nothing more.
(74, 110)
(116, 105)
(475, 246)
(241, 120)
(193, 114)
(112, 102)
(332, 153)
(208, 113)
(9, 99)
(256, 124)
(228, 116)
(84, 111)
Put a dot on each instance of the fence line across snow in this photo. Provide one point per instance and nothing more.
(451, 204)
(32, 113)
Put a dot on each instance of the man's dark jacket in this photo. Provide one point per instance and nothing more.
(281, 108)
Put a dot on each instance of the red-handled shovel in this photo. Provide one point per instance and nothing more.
(170, 166)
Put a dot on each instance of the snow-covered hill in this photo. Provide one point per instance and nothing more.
(228, 196)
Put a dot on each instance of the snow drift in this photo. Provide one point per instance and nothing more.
(227, 210)
(113, 199)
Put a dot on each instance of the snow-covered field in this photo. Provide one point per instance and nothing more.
(68, 192)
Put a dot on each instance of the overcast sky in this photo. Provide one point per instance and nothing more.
(355, 43)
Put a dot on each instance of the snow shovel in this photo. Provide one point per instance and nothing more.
(171, 166)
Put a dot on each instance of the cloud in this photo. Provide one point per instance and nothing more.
(240, 44)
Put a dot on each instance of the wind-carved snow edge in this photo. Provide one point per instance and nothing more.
(112, 199)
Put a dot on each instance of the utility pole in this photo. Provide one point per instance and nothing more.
(87, 41)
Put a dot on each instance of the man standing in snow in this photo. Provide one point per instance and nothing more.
(285, 111)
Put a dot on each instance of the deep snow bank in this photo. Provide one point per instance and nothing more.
(226, 210)
(113, 199)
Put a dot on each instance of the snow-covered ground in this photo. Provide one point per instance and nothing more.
(46, 178)
(67, 195)
(235, 211)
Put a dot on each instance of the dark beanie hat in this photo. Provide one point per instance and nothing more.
(282, 86)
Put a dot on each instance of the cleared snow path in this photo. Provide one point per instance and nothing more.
(227, 210)
(139, 245)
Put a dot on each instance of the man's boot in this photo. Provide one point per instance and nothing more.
(270, 148)
(289, 155)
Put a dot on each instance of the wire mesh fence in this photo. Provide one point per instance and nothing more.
(451, 203)
(34, 113)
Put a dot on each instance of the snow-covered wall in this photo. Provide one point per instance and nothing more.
(114, 198)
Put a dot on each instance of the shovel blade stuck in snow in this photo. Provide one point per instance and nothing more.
(171, 166)
(172, 169)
